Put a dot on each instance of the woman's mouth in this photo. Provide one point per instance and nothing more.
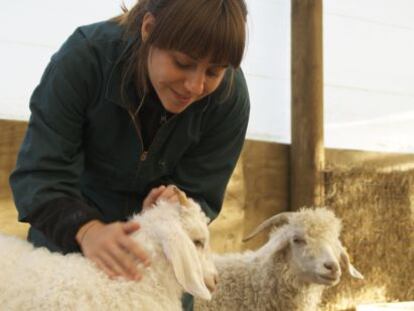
(181, 98)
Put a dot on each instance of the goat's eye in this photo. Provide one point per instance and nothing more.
(199, 243)
(298, 240)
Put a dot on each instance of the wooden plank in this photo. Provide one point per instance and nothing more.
(307, 148)
(266, 170)
(11, 136)
(257, 190)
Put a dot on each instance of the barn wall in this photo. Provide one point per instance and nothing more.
(11, 136)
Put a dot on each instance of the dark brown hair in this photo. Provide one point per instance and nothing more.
(198, 28)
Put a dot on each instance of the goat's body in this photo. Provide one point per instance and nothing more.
(251, 281)
(290, 272)
(36, 279)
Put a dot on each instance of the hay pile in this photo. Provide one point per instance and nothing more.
(377, 209)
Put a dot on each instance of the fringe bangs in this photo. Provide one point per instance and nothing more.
(217, 30)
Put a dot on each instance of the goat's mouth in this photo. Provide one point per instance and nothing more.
(328, 279)
(211, 283)
(211, 288)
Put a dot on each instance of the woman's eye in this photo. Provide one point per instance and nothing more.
(212, 73)
(182, 64)
(216, 71)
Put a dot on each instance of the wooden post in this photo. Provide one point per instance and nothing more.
(307, 148)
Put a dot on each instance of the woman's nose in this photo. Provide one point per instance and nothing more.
(195, 83)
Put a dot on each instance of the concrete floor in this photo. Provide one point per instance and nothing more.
(397, 306)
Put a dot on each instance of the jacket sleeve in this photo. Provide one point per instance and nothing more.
(206, 167)
(50, 160)
(60, 219)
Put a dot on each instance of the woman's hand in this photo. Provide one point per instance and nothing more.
(111, 248)
(162, 192)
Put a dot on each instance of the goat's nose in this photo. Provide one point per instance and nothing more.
(331, 266)
(216, 279)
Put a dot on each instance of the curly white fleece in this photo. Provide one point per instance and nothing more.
(36, 279)
(264, 280)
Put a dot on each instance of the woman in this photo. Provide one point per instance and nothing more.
(151, 98)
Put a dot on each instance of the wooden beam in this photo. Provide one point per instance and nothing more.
(307, 149)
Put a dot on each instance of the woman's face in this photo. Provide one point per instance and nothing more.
(180, 80)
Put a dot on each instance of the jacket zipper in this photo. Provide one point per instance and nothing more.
(144, 155)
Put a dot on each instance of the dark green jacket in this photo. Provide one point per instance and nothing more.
(81, 142)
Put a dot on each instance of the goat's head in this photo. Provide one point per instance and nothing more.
(311, 239)
(185, 243)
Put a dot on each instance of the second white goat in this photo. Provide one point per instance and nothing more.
(302, 257)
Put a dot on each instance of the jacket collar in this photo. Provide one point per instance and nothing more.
(113, 91)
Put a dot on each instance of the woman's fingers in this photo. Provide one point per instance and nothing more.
(113, 250)
(111, 266)
(152, 197)
(111, 247)
(130, 226)
(169, 194)
(103, 266)
(122, 262)
(132, 247)
(162, 192)
(135, 251)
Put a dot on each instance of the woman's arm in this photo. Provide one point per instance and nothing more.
(45, 182)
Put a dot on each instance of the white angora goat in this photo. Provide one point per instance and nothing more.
(175, 237)
(302, 256)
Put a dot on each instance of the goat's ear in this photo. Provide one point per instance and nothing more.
(347, 264)
(182, 254)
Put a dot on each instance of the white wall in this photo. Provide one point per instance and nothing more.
(369, 67)
(369, 74)
(30, 32)
(267, 69)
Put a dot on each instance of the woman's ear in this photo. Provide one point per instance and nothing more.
(148, 23)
